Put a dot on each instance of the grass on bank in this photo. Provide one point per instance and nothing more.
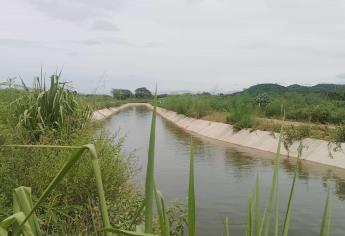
(322, 117)
(23, 220)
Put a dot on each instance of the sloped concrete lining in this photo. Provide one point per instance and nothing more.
(314, 150)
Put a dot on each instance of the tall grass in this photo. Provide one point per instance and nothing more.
(189, 105)
(52, 107)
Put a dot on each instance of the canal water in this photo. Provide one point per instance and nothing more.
(225, 176)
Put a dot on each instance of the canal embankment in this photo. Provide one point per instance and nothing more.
(315, 150)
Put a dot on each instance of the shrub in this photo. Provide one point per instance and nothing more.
(340, 133)
(242, 115)
(293, 133)
(320, 114)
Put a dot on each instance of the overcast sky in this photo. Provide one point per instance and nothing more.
(213, 45)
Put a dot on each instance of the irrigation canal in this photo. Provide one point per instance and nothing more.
(225, 177)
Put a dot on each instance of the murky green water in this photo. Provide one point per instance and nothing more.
(225, 176)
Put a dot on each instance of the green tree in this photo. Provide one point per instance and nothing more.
(121, 93)
(143, 93)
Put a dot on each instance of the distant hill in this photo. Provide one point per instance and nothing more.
(276, 88)
(265, 88)
(297, 87)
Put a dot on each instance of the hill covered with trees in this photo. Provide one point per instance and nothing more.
(276, 88)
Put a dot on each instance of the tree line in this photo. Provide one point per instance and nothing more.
(126, 93)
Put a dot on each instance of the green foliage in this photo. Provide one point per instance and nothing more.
(262, 100)
(301, 105)
(265, 88)
(121, 93)
(242, 114)
(189, 105)
(163, 95)
(52, 109)
(143, 93)
(340, 133)
(276, 88)
(22, 198)
(73, 206)
(177, 219)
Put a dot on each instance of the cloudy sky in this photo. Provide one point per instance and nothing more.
(213, 45)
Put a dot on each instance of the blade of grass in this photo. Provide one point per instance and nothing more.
(288, 210)
(257, 206)
(191, 194)
(250, 217)
(273, 193)
(326, 219)
(99, 185)
(22, 202)
(162, 216)
(262, 221)
(149, 184)
(276, 225)
(292, 192)
(16, 220)
(226, 226)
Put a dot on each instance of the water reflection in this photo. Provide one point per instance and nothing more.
(225, 175)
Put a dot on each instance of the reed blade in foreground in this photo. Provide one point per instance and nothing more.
(149, 184)
(226, 227)
(162, 215)
(191, 194)
(326, 219)
(273, 194)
